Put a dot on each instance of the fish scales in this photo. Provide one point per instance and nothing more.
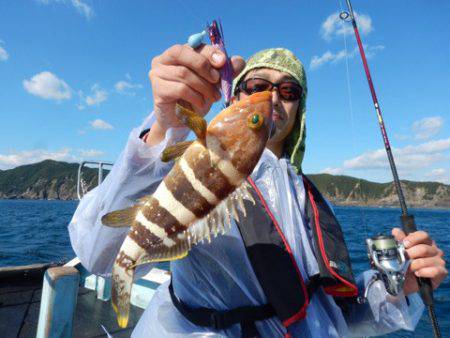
(210, 176)
(159, 216)
(187, 193)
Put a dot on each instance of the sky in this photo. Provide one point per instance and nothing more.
(73, 76)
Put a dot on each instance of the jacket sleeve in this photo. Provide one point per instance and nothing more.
(137, 172)
(382, 313)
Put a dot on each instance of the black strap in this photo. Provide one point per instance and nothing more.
(313, 284)
(220, 320)
(244, 315)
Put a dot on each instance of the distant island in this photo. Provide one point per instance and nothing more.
(57, 180)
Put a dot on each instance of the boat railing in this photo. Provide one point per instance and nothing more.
(60, 289)
(100, 165)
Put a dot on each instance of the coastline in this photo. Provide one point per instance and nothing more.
(333, 203)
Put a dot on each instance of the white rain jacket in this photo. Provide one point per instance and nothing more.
(218, 275)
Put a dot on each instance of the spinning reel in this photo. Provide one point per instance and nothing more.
(387, 256)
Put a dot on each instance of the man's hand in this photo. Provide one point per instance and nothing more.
(426, 259)
(187, 74)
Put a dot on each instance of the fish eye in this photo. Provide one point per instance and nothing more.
(255, 121)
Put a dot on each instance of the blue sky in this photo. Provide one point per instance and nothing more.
(73, 76)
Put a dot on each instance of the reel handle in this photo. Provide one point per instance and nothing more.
(425, 288)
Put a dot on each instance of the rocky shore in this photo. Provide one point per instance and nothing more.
(57, 180)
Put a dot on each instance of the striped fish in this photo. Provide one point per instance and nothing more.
(206, 183)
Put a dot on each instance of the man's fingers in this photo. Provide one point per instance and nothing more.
(213, 54)
(421, 263)
(422, 251)
(238, 65)
(436, 273)
(200, 61)
(187, 76)
(417, 237)
(398, 234)
(172, 91)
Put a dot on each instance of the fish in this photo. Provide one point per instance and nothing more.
(199, 195)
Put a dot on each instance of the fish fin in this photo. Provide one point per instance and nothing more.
(120, 218)
(175, 151)
(163, 253)
(122, 281)
(192, 120)
(143, 200)
(218, 220)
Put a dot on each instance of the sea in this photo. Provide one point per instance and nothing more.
(36, 232)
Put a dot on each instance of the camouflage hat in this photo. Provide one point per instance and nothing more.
(285, 61)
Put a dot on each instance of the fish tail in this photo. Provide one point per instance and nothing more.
(122, 282)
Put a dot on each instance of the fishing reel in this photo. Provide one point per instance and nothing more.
(387, 256)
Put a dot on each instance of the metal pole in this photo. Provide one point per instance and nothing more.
(408, 223)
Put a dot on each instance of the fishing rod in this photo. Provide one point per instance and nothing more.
(407, 220)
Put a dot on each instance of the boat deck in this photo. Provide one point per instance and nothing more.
(20, 295)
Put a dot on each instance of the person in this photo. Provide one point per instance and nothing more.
(229, 272)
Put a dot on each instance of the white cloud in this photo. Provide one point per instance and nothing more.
(372, 50)
(407, 158)
(48, 86)
(332, 171)
(427, 127)
(402, 137)
(412, 160)
(126, 87)
(3, 53)
(330, 57)
(440, 175)
(32, 156)
(91, 153)
(97, 96)
(100, 124)
(333, 26)
(82, 8)
(8, 161)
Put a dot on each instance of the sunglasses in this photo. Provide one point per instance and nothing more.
(288, 90)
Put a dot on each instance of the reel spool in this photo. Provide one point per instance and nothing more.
(387, 256)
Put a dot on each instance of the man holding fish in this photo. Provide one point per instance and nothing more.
(280, 265)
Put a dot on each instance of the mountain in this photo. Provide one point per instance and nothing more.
(346, 190)
(57, 180)
(44, 180)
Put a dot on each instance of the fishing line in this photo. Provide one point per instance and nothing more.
(352, 122)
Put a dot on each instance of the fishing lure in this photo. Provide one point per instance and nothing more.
(216, 37)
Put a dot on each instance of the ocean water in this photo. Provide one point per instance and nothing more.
(36, 232)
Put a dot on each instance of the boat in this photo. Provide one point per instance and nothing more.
(64, 299)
